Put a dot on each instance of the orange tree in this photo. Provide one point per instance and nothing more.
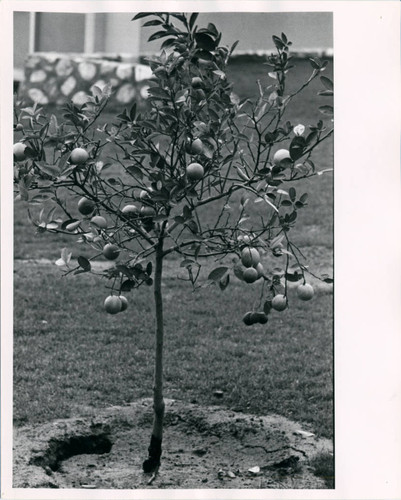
(186, 176)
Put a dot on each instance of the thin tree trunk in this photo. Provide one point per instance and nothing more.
(155, 448)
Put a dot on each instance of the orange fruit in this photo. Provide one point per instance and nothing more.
(78, 156)
(147, 211)
(113, 304)
(305, 291)
(250, 257)
(196, 82)
(197, 147)
(247, 319)
(279, 302)
(281, 155)
(19, 151)
(99, 221)
(111, 251)
(130, 210)
(195, 172)
(250, 275)
(124, 303)
(86, 206)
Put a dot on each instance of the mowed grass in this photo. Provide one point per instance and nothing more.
(70, 355)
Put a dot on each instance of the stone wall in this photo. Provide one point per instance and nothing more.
(53, 78)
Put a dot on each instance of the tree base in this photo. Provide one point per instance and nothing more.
(152, 463)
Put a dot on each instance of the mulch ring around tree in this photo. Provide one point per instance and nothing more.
(203, 447)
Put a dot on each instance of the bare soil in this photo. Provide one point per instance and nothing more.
(204, 447)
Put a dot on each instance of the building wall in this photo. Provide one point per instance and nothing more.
(116, 33)
(254, 30)
(21, 38)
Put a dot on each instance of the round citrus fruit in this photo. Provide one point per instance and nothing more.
(281, 155)
(113, 304)
(195, 172)
(197, 147)
(250, 275)
(78, 156)
(111, 251)
(85, 206)
(260, 270)
(19, 127)
(305, 292)
(147, 211)
(124, 302)
(250, 257)
(279, 302)
(247, 319)
(130, 210)
(19, 151)
(260, 317)
(143, 194)
(196, 82)
(99, 221)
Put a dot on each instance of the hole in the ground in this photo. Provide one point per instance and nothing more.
(69, 446)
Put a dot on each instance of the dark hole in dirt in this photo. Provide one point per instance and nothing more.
(59, 450)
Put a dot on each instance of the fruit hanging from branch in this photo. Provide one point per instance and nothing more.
(235, 204)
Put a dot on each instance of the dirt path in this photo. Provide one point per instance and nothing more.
(203, 448)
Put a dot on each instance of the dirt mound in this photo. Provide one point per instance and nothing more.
(203, 448)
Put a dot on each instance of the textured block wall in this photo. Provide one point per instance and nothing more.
(52, 78)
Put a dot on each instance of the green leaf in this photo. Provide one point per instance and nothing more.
(193, 19)
(132, 112)
(158, 92)
(217, 273)
(204, 41)
(135, 171)
(233, 46)
(187, 213)
(179, 220)
(154, 22)
(311, 137)
(84, 263)
(267, 306)
(315, 63)
(326, 110)
(223, 283)
(193, 226)
(140, 15)
(327, 82)
(51, 170)
(278, 42)
(157, 35)
(293, 277)
(292, 193)
(65, 255)
(297, 147)
(239, 271)
(127, 285)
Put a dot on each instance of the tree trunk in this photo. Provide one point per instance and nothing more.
(155, 448)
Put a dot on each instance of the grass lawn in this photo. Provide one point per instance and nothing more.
(70, 355)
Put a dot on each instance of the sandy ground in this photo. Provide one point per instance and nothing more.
(204, 447)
